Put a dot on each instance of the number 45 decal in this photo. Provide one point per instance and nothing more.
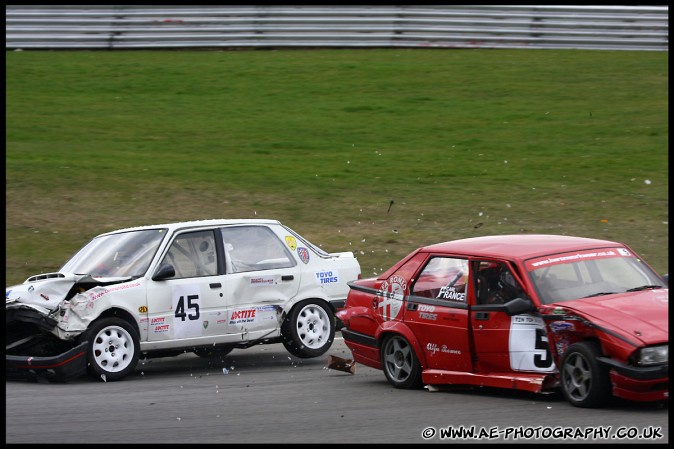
(184, 306)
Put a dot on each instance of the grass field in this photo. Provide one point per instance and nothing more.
(465, 143)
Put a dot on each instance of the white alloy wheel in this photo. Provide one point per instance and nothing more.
(113, 349)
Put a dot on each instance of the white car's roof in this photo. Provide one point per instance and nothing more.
(198, 223)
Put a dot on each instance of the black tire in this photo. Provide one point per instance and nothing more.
(585, 381)
(309, 329)
(400, 363)
(113, 349)
(213, 352)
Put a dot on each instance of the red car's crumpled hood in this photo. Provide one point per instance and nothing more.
(643, 315)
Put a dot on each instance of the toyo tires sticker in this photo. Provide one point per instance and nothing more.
(390, 297)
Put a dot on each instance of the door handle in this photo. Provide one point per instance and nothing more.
(288, 277)
(215, 285)
(481, 315)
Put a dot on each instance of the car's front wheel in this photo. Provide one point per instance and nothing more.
(400, 363)
(309, 329)
(585, 381)
(113, 349)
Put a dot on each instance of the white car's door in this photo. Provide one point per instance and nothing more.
(262, 276)
(191, 305)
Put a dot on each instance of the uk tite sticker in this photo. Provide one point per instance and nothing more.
(242, 316)
(254, 314)
(390, 297)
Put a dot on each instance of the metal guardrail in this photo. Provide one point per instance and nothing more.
(435, 26)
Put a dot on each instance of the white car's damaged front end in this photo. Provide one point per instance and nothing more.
(44, 320)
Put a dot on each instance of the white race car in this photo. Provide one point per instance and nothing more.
(205, 286)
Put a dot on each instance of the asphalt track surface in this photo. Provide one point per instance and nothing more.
(268, 396)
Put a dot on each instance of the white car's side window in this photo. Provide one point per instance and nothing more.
(252, 248)
(193, 255)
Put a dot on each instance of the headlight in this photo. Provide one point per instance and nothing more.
(653, 355)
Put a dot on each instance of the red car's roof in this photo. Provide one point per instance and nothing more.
(519, 246)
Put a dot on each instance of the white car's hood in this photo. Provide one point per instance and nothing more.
(48, 291)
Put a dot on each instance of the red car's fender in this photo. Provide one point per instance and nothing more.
(400, 328)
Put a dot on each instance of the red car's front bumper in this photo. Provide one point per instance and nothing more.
(644, 384)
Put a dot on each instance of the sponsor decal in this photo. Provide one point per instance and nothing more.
(428, 316)
(205, 324)
(624, 252)
(561, 326)
(562, 343)
(31, 289)
(155, 321)
(390, 297)
(451, 293)
(262, 281)
(574, 257)
(161, 329)
(304, 254)
(327, 277)
(142, 309)
(45, 297)
(242, 316)
(433, 349)
(95, 296)
(267, 308)
(292, 242)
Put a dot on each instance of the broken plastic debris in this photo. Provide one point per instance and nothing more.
(225, 371)
(340, 364)
(432, 388)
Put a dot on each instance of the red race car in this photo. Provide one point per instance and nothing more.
(526, 312)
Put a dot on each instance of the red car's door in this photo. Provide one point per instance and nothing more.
(504, 343)
(437, 313)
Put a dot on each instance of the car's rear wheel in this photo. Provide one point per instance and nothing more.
(400, 363)
(309, 329)
(585, 381)
(113, 349)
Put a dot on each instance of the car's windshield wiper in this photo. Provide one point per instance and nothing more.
(643, 287)
(600, 294)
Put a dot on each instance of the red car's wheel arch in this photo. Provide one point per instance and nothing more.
(400, 328)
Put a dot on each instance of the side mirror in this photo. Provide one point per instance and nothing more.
(164, 272)
(517, 306)
(665, 277)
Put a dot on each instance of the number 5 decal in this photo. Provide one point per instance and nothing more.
(528, 345)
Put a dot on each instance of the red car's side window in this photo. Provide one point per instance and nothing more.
(443, 278)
